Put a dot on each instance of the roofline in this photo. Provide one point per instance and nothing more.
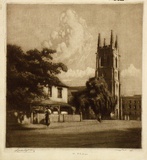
(133, 96)
(61, 86)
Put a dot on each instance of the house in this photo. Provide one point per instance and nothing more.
(56, 99)
(58, 93)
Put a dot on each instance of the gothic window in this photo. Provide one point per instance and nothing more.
(116, 89)
(116, 75)
(104, 60)
(100, 62)
(116, 62)
(59, 93)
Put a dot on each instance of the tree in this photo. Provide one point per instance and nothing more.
(96, 96)
(28, 72)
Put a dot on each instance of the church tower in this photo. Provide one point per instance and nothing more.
(107, 65)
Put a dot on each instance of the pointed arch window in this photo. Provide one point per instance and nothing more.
(104, 60)
(116, 62)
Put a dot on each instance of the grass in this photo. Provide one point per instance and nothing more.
(85, 134)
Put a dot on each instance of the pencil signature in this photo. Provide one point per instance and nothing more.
(79, 153)
(24, 150)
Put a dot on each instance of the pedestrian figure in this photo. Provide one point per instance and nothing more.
(99, 117)
(47, 118)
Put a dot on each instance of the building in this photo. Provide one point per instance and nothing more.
(58, 93)
(107, 65)
(131, 107)
(56, 99)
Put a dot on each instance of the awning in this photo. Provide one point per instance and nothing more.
(51, 103)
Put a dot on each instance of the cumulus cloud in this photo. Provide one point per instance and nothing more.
(61, 47)
(72, 41)
(131, 80)
(78, 73)
(77, 76)
(131, 71)
(54, 35)
(47, 44)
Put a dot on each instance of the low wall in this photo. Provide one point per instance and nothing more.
(53, 118)
(40, 118)
(71, 118)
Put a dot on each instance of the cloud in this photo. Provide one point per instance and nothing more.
(78, 73)
(47, 44)
(77, 77)
(131, 71)
(131, 81)
(72, 41)
(54, 35)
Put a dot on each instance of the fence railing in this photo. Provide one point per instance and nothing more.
(39, 118)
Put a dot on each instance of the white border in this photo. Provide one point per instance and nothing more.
(56, 154)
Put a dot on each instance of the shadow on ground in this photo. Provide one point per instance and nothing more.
(127, 138)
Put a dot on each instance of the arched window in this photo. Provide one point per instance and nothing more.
(104, 60)
(116, 62)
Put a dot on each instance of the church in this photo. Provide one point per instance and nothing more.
(107, 66)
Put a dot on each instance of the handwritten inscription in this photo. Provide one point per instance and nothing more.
(24, 150)
(80, 154)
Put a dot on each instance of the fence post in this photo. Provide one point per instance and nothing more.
(63, 117)
(32, 117)
(80, 116)
(58, 117)
(38, 118)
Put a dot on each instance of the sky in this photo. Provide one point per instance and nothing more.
(73, 31)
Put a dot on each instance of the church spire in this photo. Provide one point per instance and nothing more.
(111, 38)
(99, 41)
(97, 59)
(116, 43)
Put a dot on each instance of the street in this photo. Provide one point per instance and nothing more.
(85, 134)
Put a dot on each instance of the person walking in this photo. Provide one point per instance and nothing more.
(47, 118)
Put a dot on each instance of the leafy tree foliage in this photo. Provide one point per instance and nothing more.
(28, 72)
(97, 97)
